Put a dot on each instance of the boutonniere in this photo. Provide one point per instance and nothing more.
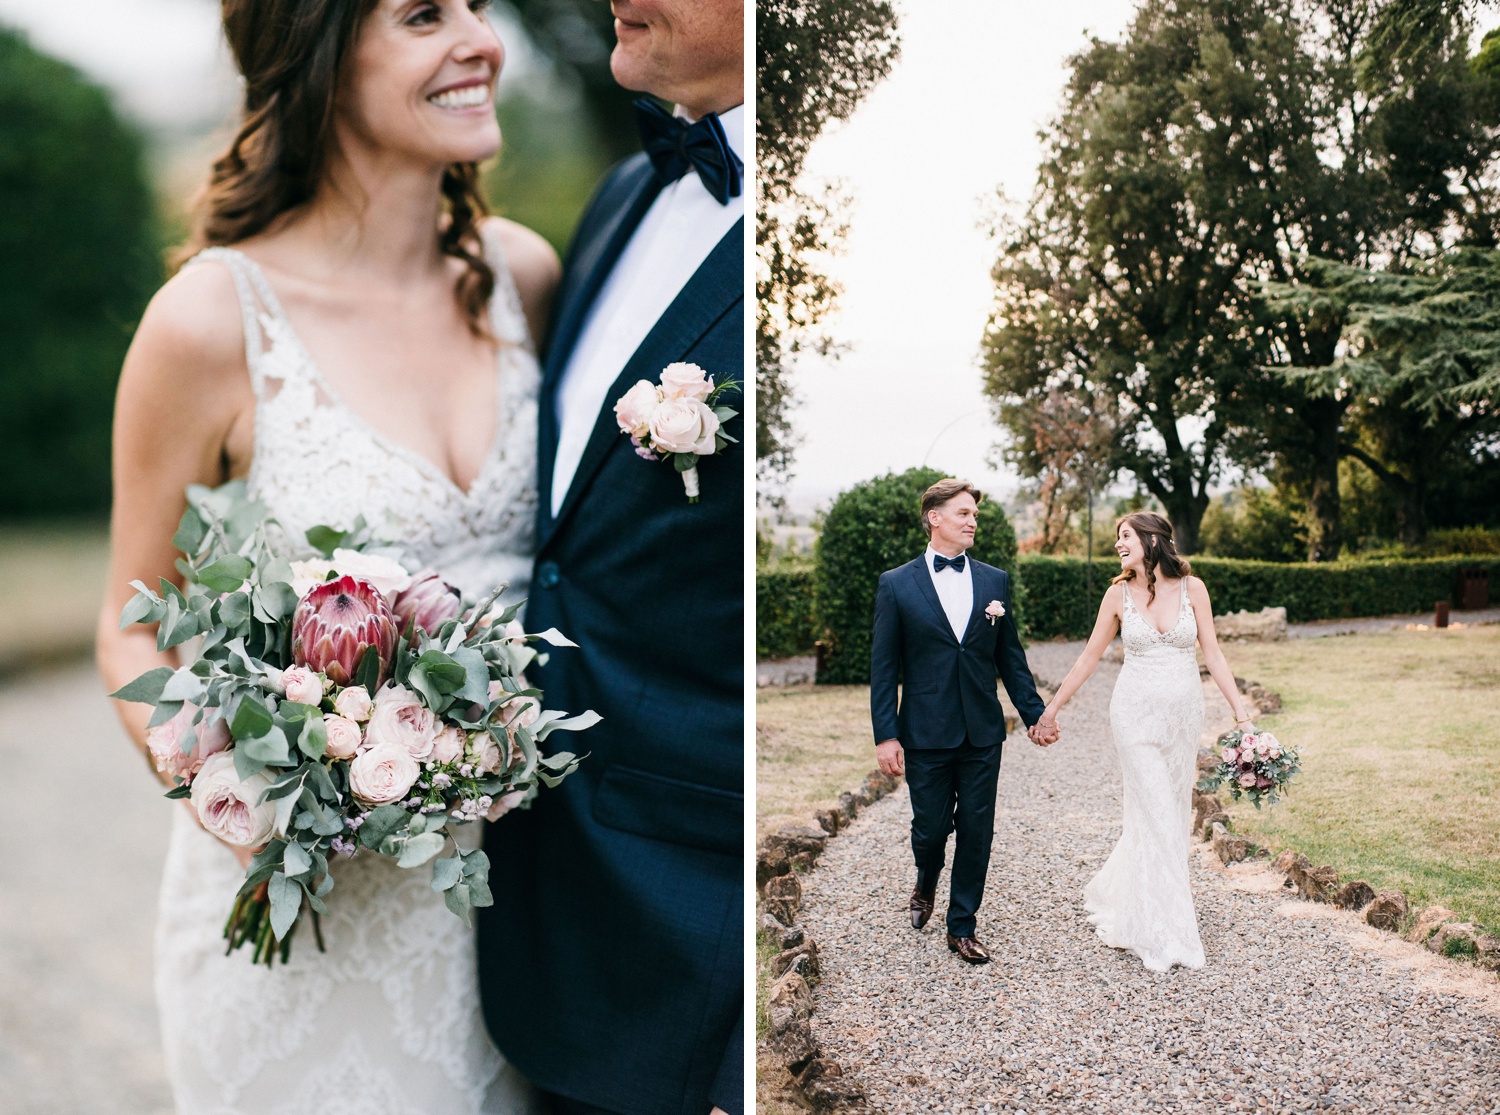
(994, 609)
(676, 420)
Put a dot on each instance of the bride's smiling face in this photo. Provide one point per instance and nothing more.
(1131, 549)
(421, 81)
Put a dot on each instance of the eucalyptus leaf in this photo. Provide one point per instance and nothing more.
(312, 741)
(225, 573)
(296, 860)
(251, 720)
(234, 610)
(269, 748)
(277, 599)
(446, 872)
(181, 791)
(579, 723)
(479, 892)
(164, 711)
(555, 637)
(141, 608)
(380, 823)
(457, 899)
(421, 848)
(286, 903)
(476, 686)
(325, 539)
(147, 688)
(367, 673)
(184, 685)
(246, 764)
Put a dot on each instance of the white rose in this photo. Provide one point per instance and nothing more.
(382, 774)
(308, 575)
(387, 576)
(685, 381)
(485, 752)
(302, 685)
(684, 426)
(231, 809)
(353, 702)
(400, 718)
(447, 744)
(634, 410)
(343, 737)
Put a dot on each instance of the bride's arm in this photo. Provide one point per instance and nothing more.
(535, 268)
(182, 416)
(1105, 626)
(1213, 657)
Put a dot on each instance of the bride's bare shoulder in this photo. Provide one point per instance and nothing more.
(191, 333)
(532, 260)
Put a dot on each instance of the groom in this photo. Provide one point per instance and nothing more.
(945, 629)
(611, 964)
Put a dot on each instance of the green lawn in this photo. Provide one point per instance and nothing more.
(1399, 735)
(811, 744)
(51, 584)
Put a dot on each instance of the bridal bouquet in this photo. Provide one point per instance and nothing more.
(336, 706)
(1253, 764)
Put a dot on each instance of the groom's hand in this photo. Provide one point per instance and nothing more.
(1044, 733)
(891, 758)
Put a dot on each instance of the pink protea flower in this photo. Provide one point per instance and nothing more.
(429, 602)
(336, 622)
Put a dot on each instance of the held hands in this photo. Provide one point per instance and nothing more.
(1045, 732)
(891, 757)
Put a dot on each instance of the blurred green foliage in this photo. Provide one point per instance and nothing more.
(79, 257)
(550, 162)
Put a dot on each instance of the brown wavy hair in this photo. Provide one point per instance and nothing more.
(291, 54)
(1155, 533)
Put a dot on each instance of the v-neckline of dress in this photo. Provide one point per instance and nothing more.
(1144, 617)
(385, 441)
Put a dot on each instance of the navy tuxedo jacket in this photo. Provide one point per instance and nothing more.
(611, 964)
(947, 684)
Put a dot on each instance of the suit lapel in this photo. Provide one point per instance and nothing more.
(979, 576)
(714, 290)
(923, 576)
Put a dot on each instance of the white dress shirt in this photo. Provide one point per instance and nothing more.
(682, 226)
(955, 592)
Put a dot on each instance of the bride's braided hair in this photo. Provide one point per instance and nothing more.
(1155, 533)
(291, 54)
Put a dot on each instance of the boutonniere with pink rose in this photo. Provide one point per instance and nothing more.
(677, 420)
(994, 610)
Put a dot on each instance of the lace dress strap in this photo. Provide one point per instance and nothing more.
(255, 298)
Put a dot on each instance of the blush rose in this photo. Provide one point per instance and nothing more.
(383, 774)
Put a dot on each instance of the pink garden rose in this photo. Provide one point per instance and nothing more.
(684, 426)
(400, 718)
(634, 409)
(383, 774)
(447, 744)
(165, 743)
(485, 752)
(1274, 753)
(353, 703)
(302, 685)
(229, 808)
(1229, 754)
(1247, 779)
(686, 381)
(343, 736)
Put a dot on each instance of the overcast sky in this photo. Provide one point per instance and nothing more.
(924, 155)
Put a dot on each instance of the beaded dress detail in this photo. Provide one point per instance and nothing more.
(1141, 899)
(387, 1021)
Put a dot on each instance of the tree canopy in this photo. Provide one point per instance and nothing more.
(79, 257)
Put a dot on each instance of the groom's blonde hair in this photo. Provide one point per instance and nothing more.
(941, 492)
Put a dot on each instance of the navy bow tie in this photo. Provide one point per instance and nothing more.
(674, 147)
(939, 563)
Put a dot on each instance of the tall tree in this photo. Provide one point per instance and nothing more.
(815, 62)
(1419, 358)
(1064, 442)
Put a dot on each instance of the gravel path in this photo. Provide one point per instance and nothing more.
(1301, 1007)
(80, 865)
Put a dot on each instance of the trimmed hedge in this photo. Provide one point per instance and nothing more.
(871, 528)
(784, 622)
(1057, 605)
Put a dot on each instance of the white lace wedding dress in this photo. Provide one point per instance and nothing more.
(387, 1020)
(1141, 899)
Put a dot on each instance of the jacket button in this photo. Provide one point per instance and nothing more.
(547, 574)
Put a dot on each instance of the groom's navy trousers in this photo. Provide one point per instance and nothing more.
(949, 720)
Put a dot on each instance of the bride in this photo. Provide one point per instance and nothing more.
(353, 337)
(1141, 899)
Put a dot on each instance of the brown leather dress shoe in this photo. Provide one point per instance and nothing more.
(921, 908)
(969, 949)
